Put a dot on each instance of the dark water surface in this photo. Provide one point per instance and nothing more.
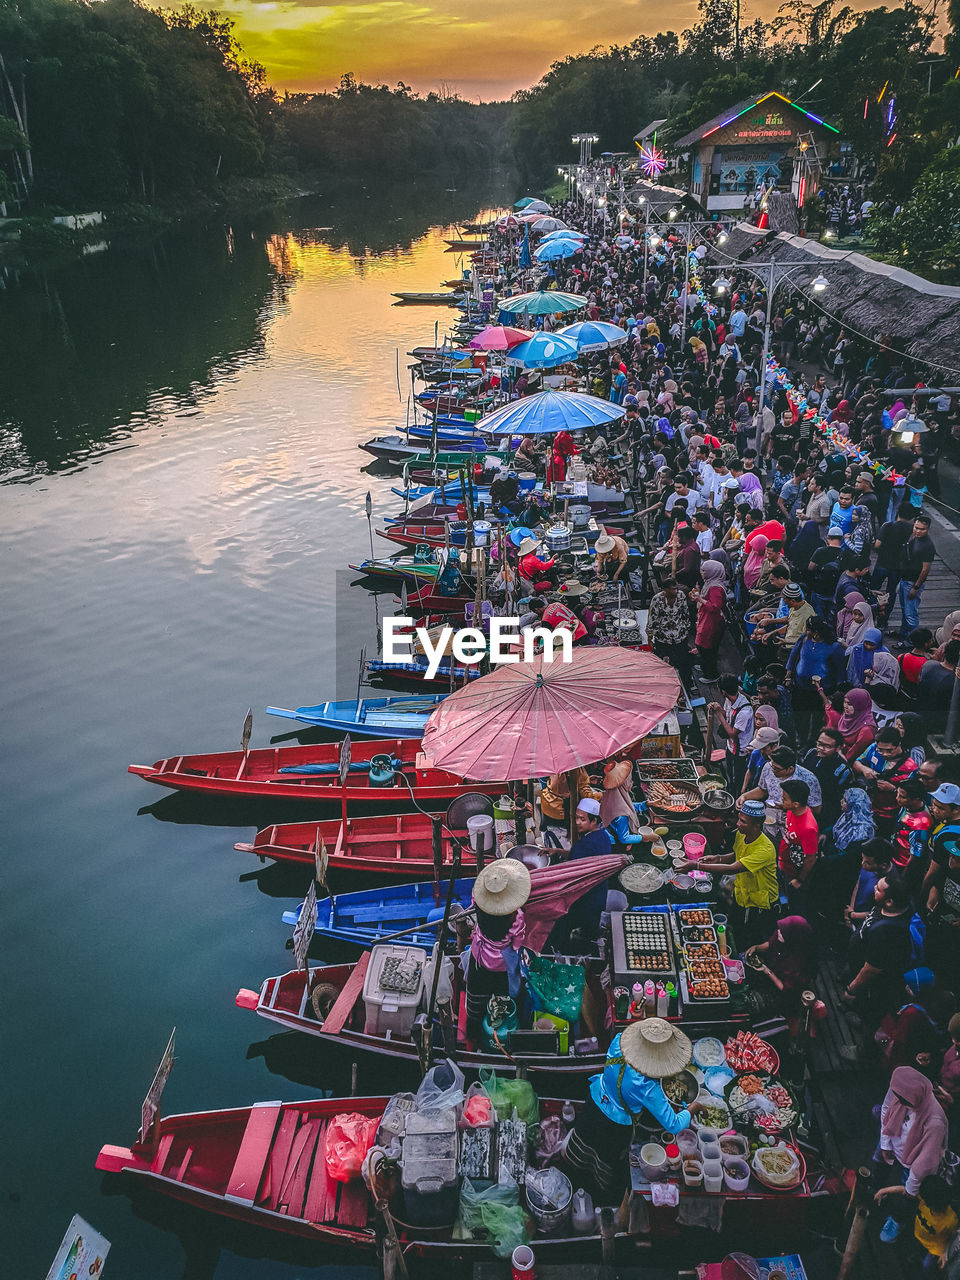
(180, 484)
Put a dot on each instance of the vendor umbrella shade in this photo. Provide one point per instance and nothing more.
(498, 337)
(548, 412)
(543, 351)
(557, 249)
(565, 234)
(594, 335)
(531, 719)
(542, 302)
(554, 890)
(533, 204)
(548, 224)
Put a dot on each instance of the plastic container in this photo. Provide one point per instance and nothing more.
(673, 1157)
(693, 844)
(582, 1213)
(733, 969)
(429, 1174)
(732, 1145)
(710, 1151)
(481, 533)
(522, 1263)
(688, 1143)
(391, 1012)
(693, 1172)
(712, 1176)
(481, 831)
(549, 1195)
(736, 1173)
(717, 1078)
(709, 1052)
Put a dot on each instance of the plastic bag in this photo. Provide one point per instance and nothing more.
(477, 1109)
(441, 1088)
(349, 1138)
(493, 1215)
(509, 1094)
(548, 1140)
(555, 987)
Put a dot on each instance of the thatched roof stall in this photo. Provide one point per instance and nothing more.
(921, 318)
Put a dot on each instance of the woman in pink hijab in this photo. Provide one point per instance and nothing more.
(856, 723)
(913, 1138)
(845, 614)
(754, 561)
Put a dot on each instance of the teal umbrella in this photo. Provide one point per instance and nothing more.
(543, 302)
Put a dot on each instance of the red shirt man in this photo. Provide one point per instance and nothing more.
(798, 849)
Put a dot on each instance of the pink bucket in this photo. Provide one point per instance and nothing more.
(694, 845)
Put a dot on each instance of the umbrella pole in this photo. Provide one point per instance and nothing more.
(574, 790)
(441, 944)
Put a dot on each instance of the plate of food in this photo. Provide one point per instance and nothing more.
(746, 1051)
(640, 877)
(761, 1101)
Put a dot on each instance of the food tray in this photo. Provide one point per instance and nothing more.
(695, 916)
(679, 770)
(642, 946)
(699, 933)
(798, 1179)
(691, 998)
(737, 1109)
(641, 878)
(674, 799)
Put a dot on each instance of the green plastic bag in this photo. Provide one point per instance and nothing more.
(507, 1094)
(493, 1215)
(555, 987)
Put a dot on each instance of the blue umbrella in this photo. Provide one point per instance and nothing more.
(594, 335)
(555, 249)
(548, 412)
(563, 235)
(542, 351)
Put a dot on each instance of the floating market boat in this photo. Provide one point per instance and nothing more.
(367, 917)
(419, 570)
(415, 671)
(396, 844)
(375, 717)
(467, 244)
(380, 770)
(267, 1165)
(426, 299)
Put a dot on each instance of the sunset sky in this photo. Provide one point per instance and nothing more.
(479, 48)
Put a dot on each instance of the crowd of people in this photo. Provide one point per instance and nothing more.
(789, 587)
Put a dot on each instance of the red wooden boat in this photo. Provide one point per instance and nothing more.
(266, 1165)
(429, 599)
(397, 844)
(261, 773)
(286, 1000)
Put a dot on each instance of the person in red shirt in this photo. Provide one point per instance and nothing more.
(798, 849)
(911, 663)
(532, 567)
(913, 828)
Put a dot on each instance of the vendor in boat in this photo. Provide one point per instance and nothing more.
(638, 1059)
(492, 961)
(530, 453)
(554, 819)
(577, 931)
(505, 493)
(533, 567)
(618, 813)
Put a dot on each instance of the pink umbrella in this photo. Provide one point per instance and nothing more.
(530, 719)
(507, 221)
(498, 337)
(554, 890)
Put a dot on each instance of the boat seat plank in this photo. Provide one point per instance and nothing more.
(166, 1142)
(254, 1149)
(293, 1163)
(298, 1185)
(395, 911)
(354, 1205)
(343, 1005)
(279, 1154)
(181, 1170)
(322, 1191)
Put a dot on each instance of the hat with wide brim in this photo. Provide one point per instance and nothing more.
(526, 546)
(655, 1048)
(502, 887)
(604, 544)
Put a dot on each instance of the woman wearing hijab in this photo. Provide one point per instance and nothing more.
(859, 537)
(710, 621)
(788, 961)
(911, 726)
(855, 823)
(916, 1035)
(913, 1138)
(753, 564)
(871, 663)
(861, 621)
(845, 615)
(842, 413)
(856, 723)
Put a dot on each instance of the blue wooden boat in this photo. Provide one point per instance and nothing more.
(367, 916)
(397, 717)
(416, 670)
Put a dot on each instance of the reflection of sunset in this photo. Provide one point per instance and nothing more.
(238, 475)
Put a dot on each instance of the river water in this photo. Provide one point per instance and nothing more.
(181, 494)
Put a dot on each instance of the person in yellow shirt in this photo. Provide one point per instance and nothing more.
(753, 865)
(554, 810)
(936, 1224)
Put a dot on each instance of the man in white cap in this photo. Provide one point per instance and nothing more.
(612, 556)
(580, 927)
(753, 864)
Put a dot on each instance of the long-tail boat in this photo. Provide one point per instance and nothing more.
(403, 717)
(313, 773)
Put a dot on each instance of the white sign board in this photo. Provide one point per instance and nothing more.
(81, 1255)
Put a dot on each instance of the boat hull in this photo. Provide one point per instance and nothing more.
(396, 844)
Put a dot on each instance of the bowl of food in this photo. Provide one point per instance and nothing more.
(719, 800)
(640, 878)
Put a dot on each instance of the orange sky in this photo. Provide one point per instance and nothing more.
(478, 48)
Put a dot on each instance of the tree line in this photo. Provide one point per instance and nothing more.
(110, 103)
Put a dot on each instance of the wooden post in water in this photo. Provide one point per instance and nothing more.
(861, 1200)
(608, 1230)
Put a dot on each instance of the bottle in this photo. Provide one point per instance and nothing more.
(584, 1216)
(637, 993)
(650, 995)
(722, 939)
(663, 1001)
